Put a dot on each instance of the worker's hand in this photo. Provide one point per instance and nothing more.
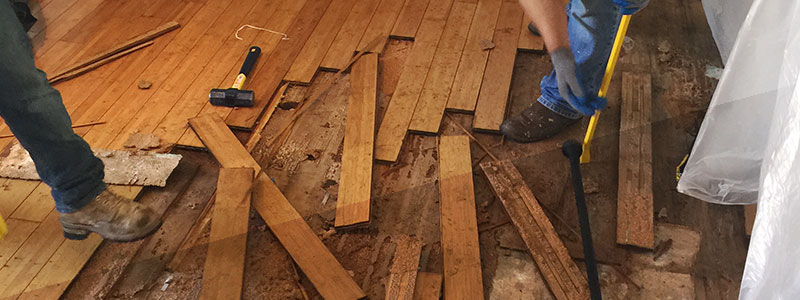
(569, 87)
(630, 7)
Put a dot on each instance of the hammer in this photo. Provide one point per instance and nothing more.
(235, 96)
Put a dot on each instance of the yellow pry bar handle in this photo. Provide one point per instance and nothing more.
(612, 62)
(3, 228)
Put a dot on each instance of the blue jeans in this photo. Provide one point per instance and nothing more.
(592, 28)
(33, 111)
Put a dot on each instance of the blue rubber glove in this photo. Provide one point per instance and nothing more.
(630, 7)
(568, 85)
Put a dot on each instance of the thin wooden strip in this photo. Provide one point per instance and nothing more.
(528, 42)
(403, 274)
(635, 196)
(433, 99)
(167, 27)
(491, 107)
(262, 123)
(428, 287)
(467, 83)
(319, 265)
(73, 127)
(409, 19)
(462, 258)
(278, 63)
(394, 125)
(381, 24)
(79, 71)
(309, 59)
(224, 269)
(343, 47)
(26, 262)
(566, 281)
(353, 204)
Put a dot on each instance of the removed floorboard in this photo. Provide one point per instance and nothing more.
(462, 258)
(428, 287)
(310, 254)
(563, 277)
(353, 204)
(635, 195)
(403, 276)
(224, 269)
(491, 107)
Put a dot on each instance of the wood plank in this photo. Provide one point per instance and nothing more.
(319, 265)
(409, 19)
(355, 185)
(562, 275)
(467, 83)
(749, 218)
(635, 195)
(433, 99)
(278, 63)
(462, 258)
(403, 274)
(14, 193)
(224, 269)
(255, 137)
(428, 287)
(67, 75)
(22, 267)
(309, 59)
(18, 232)
(528, 42)
(381, 23)
(493, 97)
(346, 41)
(36, 206)
(56, 29)
(394, 125)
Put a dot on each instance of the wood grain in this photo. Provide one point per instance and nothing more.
(562, 275)
(355, 186)
(749, 218)
(346, 41)
(528, 42)
(433, 98)
(428, 287)
(462, 258)
(469, 76)
(309, 59)
(217, 137)
(21, 268)
(635, 195)
(394, 125)
(381, 23)
(493, 97)
(408, 21)
(403, 274)
(224, 269)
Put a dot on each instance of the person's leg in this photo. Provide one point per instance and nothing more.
(592, 26)
(33, 111)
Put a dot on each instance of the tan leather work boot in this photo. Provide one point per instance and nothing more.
(112, 217)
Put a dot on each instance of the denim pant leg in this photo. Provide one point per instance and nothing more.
(592, 28)
(33, 111)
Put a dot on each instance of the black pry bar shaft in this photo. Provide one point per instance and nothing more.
(573, 150)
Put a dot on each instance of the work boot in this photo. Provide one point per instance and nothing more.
(112, 217)
(534, 124)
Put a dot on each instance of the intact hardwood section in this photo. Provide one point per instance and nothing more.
(219, 139)
(433, 99)
(18, 232)
(403, 274)
(394, 125)
(462, 258)
(26, 262)
(224, 268)
(279, 62)
(381, 24)
(428, 287)
(493, 97)
(563, 277)
(310, 254)
(635, 195)
(346, 41)
(528, 42)
(469, 76)
(355, 186)
(14, 192)
(37, 206)
(410, 16)
(309, 59)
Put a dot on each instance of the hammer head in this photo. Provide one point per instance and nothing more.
(231, 97)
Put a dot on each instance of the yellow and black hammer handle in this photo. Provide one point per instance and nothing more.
(235, 96)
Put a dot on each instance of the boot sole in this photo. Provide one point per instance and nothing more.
(80, 234)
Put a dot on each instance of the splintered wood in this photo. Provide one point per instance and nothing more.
(462, 258)
(563, 277)
(403, 276)
(491, 107)
(310, 254)
(635, 195)
(224, 269)
(353, 204)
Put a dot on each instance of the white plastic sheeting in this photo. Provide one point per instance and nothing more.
(725, 17)
(748, 147)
